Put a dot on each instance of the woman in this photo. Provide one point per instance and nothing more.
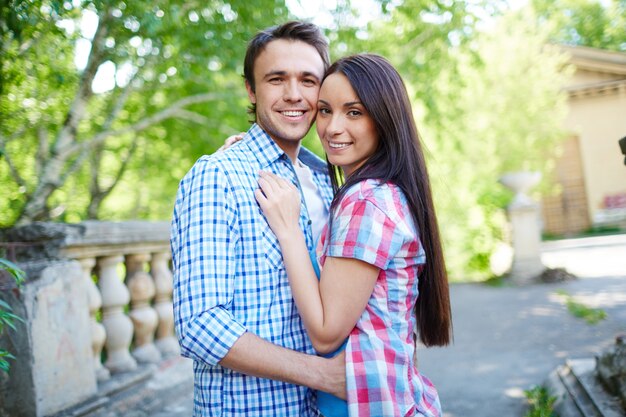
(381, 247)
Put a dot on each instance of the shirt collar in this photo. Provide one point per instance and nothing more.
(266, 151)
(263, 147)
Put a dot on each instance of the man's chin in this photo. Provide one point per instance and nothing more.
(292, 135)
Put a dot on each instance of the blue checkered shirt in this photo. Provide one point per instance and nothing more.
(229, 277)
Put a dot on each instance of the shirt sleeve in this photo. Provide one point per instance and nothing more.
(361, 230)
(203, 243)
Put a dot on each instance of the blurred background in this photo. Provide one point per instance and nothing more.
(104, 105)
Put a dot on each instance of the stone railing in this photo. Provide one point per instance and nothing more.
(97, 303)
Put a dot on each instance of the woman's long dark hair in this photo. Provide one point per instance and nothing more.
(399, 159)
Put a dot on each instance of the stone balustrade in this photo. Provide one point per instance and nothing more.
(97, 303)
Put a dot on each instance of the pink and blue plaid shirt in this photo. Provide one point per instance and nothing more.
(372, 223)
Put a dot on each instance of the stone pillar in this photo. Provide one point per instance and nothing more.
(119, 328)
(98, 334)
(51, 346)
(166, 341)
(144, 317)
(524, 217)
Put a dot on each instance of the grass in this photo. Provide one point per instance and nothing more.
(591, 232)
(589, 314)
(540, 401)
(496, 281)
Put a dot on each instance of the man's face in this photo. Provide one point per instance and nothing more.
(287, 75)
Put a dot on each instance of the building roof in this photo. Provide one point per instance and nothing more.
(597, 60)
(600, 61)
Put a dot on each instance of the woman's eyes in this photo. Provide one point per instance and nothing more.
(351, 113)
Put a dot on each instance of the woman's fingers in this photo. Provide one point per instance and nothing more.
(275, 180)
(268, 185)
(260, 198)
(277, 190)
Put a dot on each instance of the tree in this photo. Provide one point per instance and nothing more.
(585, 22)
(505, 114)
(62, 135)
(486, 96)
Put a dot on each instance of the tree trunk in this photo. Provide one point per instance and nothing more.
(52, 169)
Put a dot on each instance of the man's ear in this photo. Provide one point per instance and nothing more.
(251, 94)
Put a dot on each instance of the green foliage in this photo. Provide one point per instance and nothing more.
(541, 403)
(486, 102)
(589, 314)
(7, 317)
(160, 51)
(486, 95)
(598, 24)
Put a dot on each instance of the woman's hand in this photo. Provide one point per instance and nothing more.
(230, 141)
(280, 202)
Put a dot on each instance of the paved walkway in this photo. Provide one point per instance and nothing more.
(508, 339)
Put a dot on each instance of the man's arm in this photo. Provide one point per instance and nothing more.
(254, 356)
(204, 239)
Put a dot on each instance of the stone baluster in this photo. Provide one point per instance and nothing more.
(144, 317)
(165, 339)
(119, 328)
(98, 334)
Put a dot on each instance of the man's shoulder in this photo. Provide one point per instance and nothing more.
(314, 162)
(233, 161)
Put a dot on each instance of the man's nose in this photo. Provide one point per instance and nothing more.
(292, 91)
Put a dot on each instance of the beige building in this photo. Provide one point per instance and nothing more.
(591, 173)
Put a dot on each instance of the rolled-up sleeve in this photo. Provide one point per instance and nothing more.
(204, 250)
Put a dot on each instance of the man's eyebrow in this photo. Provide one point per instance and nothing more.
(273, 73)
(283, 73)
(310, 74)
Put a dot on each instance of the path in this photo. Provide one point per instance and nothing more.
(508, 339)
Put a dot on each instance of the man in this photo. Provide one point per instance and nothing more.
(234, 313)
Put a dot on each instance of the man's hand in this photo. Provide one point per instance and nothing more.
(335, 381)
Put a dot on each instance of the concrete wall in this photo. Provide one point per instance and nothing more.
(599, 121)
(52, 370)
(592, 166)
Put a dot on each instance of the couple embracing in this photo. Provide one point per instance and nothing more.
(301, 286)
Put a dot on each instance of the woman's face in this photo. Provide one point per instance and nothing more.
(345, 128)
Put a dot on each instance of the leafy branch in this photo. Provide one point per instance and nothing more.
(7, 317)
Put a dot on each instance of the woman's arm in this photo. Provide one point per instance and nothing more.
(330, 307)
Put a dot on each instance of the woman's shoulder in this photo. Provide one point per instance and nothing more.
(377, 190)
(385, 195)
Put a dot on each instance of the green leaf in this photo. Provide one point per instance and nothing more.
(13, 269)
(4, 366)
